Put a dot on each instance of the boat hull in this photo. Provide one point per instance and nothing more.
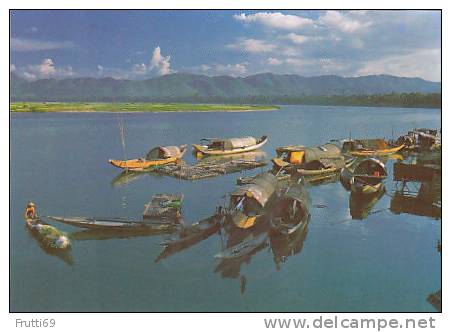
(92, 223)
(370, 153)
(140, 164)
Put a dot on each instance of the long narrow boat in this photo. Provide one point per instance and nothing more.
(218, 146)
(365, 176)
(370, 147)
(109, 223)
(160, 155)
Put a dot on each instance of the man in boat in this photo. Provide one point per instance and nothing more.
(30, 212)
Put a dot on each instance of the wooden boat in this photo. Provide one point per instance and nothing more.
(251, 201)
(122, 233)
(364, 177)
(314, 163)
(160, 155)
(422, 139)
(48, 235)
(291, 210)
(108, 223)
(218, 146)
(370, 147)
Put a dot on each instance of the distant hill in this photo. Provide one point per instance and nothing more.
(200, 88)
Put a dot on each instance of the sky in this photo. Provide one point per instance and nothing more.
(142, 44)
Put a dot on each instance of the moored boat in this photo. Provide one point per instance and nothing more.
(109, 223)
(251, 201)
(370, 147)
(364, 177)
(292, 209)
(160, 155)
(218, 146)
(314, 163)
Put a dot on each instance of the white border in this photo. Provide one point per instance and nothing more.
(201, 322)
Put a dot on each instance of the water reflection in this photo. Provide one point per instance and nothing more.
(360, 206)
(418, 186)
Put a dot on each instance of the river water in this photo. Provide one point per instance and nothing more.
(384, 262)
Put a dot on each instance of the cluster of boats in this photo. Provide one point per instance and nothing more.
(269, 209)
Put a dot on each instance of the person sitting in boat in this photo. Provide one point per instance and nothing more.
(30, 211)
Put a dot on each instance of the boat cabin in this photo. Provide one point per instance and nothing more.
(299, 154)
(249, 201)
(365, 144)
(164, 152)
(230, 143)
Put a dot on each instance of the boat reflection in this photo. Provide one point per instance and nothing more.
(126, 177)
(360, 206)
(191, 235)
(418, 187)
(286, 245)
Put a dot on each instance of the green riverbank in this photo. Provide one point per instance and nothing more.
(134, 107)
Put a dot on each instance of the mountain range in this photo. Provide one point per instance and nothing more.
(180, 87)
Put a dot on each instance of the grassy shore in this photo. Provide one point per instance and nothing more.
(133, 107)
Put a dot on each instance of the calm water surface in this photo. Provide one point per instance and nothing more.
(385, 262)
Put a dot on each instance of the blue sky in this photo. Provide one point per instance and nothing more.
(143, 44)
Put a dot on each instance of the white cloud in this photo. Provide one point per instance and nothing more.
(30, 45)
(275, 20)
(236, 69)
(346, 43)
(274, 61)
(140, 69)
(34, 29)
(344, 22)
(45, 69)
(12, 68)
(253, 46)
(425, 63)
(160, 63)
(297, 39)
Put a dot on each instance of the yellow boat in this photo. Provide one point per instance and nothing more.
(217, 146)
(160, 155)
(370, 148)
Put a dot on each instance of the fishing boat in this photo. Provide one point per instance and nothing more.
(109, 223)
(365, 176)
(251, 201)
(219, 146)
(48, 235)
(314, 163)
(370, 147)
(292, 209)
(160, 155)
(422, 139)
